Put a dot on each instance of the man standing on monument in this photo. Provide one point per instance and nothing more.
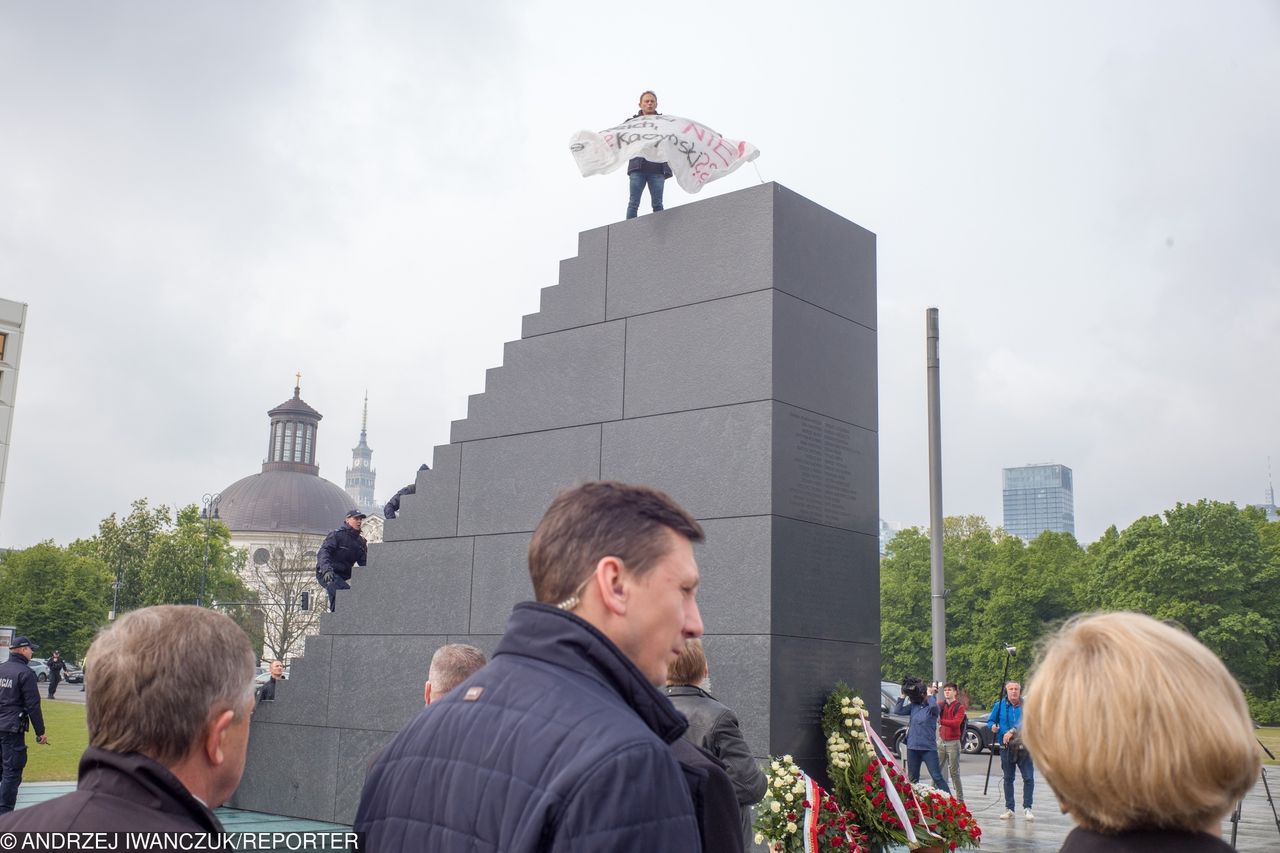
(19, 706)
(343, 550)
(562, 741)
(642, 172)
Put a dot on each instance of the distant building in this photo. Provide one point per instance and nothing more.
(13, 320)
(1273, 514)
(886, 533)
(1038, 498)
(281, 514)
(361, 476)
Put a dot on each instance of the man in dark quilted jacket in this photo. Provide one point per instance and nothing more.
(561, 743)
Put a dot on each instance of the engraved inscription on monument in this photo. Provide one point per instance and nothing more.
(816, 477)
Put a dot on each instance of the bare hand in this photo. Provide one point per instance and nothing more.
(995, 727)
(1007, 737)
(44, 739)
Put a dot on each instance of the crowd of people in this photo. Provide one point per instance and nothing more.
(592, 725)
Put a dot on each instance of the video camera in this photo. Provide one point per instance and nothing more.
(914, 689)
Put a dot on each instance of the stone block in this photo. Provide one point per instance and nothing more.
(740, 678)
(733, 595)
(823, 362)
(823, 258)
(289, 770)
(692, 253)
(824, 470)
(578, 298)
(804, 672)
(823, 591)
(357, 750)
(508, 483)
(501, 580)
(382, 676)
(557, 380)
(714, 462)
(431, 512)
(304, 697)
(697, 356)
(408, 588)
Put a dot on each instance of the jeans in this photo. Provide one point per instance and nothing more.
(13, 757)
(949, 757)
(930, 759)
(1028, 771)
(638, 182)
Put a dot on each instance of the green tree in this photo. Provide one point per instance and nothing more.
(57, 597)
(191, 562)
(1207, 566)
(122, 545)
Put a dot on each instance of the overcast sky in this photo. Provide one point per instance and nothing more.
(199, 199)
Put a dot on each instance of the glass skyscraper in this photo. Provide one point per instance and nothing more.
(1038, 498)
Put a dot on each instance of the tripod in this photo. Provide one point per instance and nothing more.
(1235, 815)
(1009, 652)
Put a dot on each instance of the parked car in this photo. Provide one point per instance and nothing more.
(977, 735)
(73, 674)
(40, 667)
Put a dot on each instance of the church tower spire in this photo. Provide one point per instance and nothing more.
(361, 475)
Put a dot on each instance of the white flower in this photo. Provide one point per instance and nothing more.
(790, 798)
(759, 838)
(775, 806)
(844, 700)
(791, 827)
(849, 723)
(776, 766)
(787, 759)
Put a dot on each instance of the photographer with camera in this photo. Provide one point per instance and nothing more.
(1006, 717)
(921, 704)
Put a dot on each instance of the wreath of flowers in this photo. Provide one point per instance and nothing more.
(860, 812)
(865, 785)
(798, 816)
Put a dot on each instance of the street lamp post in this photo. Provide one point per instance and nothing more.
(209, 514)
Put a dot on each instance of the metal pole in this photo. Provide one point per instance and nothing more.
(209, 514)
(939, 595)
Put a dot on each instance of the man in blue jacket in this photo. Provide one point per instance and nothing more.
(1006, 718)
(561, 743)
(342, 551)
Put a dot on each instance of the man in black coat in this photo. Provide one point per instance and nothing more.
(167, 732)
(562, 742)
(19, 707)
(714, 727)
(267, 692)
(343, 549)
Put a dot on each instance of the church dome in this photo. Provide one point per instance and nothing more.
(283, 502)
(288, 496)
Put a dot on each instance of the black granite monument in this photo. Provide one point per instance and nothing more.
(723, 351)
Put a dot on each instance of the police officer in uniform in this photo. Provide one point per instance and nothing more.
(19, 706)
(343, 549)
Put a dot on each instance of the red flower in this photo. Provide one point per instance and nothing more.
(805, 804)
